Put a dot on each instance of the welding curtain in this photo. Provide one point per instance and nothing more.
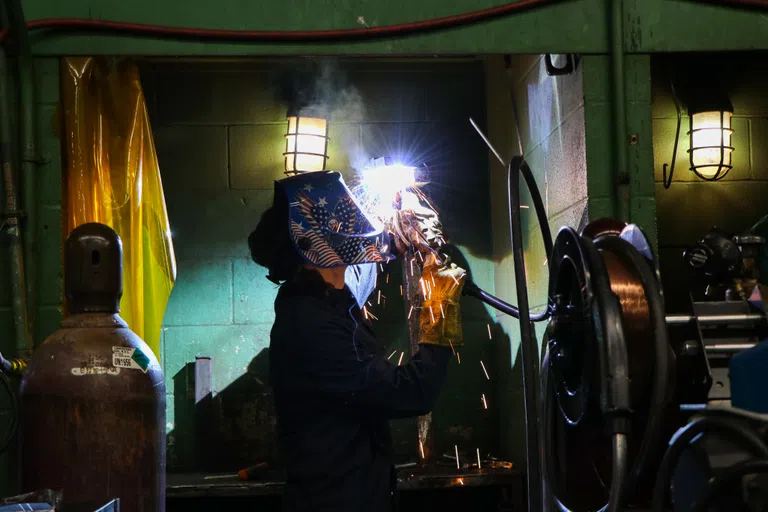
(112, 177)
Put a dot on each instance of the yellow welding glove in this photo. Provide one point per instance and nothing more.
(440, 319)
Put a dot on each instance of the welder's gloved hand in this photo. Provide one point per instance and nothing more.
(417, 225)
(440, 319)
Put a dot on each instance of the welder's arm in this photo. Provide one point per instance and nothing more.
(338, 369)
(412, 390)
(378, 386)
(405, 391)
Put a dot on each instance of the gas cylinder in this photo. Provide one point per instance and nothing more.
(93, 395)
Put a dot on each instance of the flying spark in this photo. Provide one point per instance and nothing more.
(456, 448)
(432, 276)
(365, 313)
(458, 356)
(421, 448)
(461, 481)
(485, 402)
(410, 313)
(387, 281)
(431, 314)
(489, 332)
(451, 344)
(423, 287)
(485, 371)
(421, 256)
(442, 312)
(412, 267)
(379, 300)
(401, 358)
(456, 280)
(401, 290)
(372, 315)
(390, 355)
(545, 262)
(479, 466)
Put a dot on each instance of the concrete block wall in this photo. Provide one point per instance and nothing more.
(219, 132)
(550, 113)
(690, 207)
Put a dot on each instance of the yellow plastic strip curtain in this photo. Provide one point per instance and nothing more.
(112, 177)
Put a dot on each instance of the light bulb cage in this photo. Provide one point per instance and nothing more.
(722, 166)
(293, 155)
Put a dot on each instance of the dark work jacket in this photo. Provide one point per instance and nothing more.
(334, 394)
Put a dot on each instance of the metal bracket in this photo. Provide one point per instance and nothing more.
(13, 214)
(567, 69)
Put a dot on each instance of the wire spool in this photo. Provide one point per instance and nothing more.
(611, 315)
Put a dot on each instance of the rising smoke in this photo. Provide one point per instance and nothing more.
(321, 87)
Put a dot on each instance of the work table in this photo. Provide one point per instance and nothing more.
(190, 485)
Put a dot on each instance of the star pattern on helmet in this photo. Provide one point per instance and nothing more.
(327, 224)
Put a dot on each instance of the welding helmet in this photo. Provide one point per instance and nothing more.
(327, 226)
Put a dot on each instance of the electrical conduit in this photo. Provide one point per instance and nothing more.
(28, 160)
(13, 226)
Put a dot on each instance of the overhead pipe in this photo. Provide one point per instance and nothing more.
(12, 213)
(29, 159)
(621, 137)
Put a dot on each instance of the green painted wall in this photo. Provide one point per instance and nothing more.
(551, 125)
(690, 207)
(219, 131)
(578, 26)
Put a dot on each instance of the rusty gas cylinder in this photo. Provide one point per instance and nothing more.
(93, 396)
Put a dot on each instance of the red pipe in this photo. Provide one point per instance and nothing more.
(288, 35)
(747, 4)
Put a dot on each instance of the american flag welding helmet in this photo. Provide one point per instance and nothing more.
(327, 226)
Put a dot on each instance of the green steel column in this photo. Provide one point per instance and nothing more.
(621, 137)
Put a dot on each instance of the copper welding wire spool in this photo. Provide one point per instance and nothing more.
(584, 449)
(601, 227)
(635, 282)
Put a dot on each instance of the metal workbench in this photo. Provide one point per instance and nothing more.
(191, 485)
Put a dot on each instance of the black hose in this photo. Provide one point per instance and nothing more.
(681, 441)
(472, 290)
(538, 205)
(529, 347)
(729, 477)
(620, 468)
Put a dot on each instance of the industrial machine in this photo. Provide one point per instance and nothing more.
(628, 392)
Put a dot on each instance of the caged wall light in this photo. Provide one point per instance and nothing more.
(306, 143)
(709, 135)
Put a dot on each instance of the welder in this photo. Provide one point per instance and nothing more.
(334, 389)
